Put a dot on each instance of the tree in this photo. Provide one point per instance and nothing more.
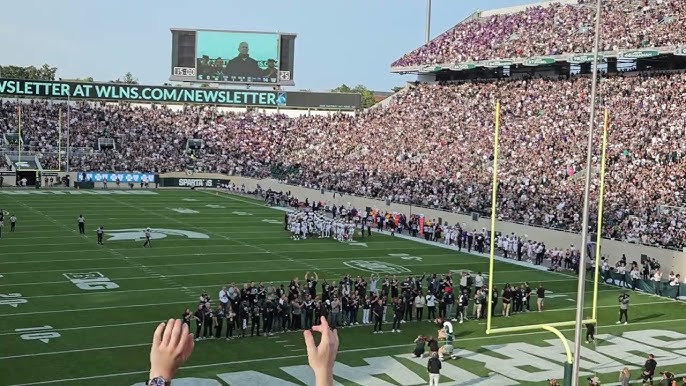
(128, 79)
(80, 80)
(45, 72)
(367, 95)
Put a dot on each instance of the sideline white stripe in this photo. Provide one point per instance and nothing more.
(187, 302)
(137, 248)
(192, 255)
(94, 308)
(242, 272)
(487, 337)
(91, 327)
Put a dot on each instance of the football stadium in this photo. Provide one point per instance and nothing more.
(514, 215)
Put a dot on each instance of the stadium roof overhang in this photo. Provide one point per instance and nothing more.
(576, 58)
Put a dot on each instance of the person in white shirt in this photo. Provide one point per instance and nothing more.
(604, 269)
(419, 303)
(479, 280)
(431, 306)
(657, 282)
(223, 298)
(635, 276)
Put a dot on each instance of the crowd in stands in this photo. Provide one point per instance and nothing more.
(554, 30)
(432, 146)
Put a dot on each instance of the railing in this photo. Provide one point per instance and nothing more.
(482, 214)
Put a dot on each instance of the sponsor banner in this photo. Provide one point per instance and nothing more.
(179, 95)
(192, 182)
(638, 54)
(462, 66)
(584, 58)
(431, 68)
(533, 62)
(112, 177)
(498, 63)
(680, 51)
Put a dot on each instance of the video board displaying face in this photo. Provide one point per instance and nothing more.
(238, 57)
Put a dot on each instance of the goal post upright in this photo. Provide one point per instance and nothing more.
(601, 194)
(550, 327)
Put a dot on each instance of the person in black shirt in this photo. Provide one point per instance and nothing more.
(433, 345)
(377, 312)
(256, 315)
(518, 297)
(507, 299)
(434, 368)
(649, 369)
(218, 321)
(199, 317)
(494, 300)
(208, 321)
(230, 323)
(243, 65)
(540, 294)
(398, 311)
(243, 316)
(186, 317)
(590, 332)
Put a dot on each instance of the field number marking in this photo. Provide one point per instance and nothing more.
(44, 333)
(13, 299)
(237, 213)
(184, 210)
(91, 281)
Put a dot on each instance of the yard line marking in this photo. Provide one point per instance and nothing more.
(281, 341)
(186, 302)
(92, 327)
(288, 345)
(487, 337)
(93, 309)
(186, 254)
(229, 274)
(223, 262)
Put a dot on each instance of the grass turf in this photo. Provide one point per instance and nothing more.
(107, 332)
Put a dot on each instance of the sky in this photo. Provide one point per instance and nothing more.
(339, 42)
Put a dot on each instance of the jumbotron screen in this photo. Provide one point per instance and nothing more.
(209, 56)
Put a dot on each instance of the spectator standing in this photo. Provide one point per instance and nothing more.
(81, 221)
(378, 312)
(434, 368)
(624, 377)
(540, 294)
(623, 308)
(649, 369)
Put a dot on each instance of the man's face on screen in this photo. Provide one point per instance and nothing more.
(243, 48)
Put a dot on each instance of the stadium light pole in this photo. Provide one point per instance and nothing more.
(68, 126)
(427, 31)
(584, 222)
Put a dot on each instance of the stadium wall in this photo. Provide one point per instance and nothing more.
(670, 260)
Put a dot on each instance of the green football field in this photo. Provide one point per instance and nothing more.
(56, 330)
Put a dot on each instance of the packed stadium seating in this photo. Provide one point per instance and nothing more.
(431, 146)
(556, 29)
